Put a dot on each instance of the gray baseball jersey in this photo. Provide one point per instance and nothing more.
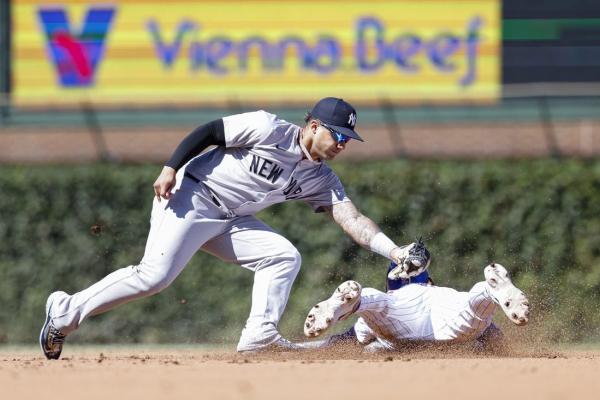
(263, 164)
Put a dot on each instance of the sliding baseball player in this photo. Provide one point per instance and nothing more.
(419, 310)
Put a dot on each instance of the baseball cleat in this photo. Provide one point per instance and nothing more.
(280, 345)
(51, 339)
(342, 303)
(377, 347)
(513, 301)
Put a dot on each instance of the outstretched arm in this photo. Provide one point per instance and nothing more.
(359, 227)
(411, 260)
(363, 230)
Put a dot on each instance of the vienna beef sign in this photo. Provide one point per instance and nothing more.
(323, 53)
(217, 52)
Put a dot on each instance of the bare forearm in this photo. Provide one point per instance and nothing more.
(362, 229)
(359, 227)
(366, 233)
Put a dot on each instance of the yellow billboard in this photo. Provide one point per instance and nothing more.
(217, 52)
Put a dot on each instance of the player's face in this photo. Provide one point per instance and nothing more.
(325, 144)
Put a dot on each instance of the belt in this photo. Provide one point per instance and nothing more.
(212, 196)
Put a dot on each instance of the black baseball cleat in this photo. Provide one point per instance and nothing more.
(51, 339)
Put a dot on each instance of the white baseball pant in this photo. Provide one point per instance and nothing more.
(419, 312)
(190, 221)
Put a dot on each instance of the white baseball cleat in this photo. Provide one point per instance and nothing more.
(280, 345)
(513, 301)
(342, 303)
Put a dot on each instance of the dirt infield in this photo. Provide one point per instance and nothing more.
(178, 373)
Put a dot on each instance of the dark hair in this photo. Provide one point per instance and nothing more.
(307, 117)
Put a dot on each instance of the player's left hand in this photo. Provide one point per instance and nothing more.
(412, 260)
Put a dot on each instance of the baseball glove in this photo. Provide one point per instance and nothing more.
(415, 260)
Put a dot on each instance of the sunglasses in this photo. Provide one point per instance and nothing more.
(340, 138)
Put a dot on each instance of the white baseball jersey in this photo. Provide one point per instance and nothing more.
(421, 312)
(262, 164)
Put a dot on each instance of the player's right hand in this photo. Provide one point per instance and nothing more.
(165, 183)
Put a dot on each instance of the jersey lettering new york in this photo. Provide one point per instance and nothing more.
(292, 190)
(267, 169)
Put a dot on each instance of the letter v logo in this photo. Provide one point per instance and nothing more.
(76, 55)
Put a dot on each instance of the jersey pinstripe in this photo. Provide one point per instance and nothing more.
(420, 312)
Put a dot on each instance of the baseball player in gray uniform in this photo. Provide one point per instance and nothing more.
(419, 311)
(207, 202)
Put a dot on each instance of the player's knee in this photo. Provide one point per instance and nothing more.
(293, 258)
(153, 280)
(287, 260)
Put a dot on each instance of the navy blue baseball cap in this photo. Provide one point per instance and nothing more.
(338, 115)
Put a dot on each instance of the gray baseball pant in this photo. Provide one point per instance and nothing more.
(190, 221)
